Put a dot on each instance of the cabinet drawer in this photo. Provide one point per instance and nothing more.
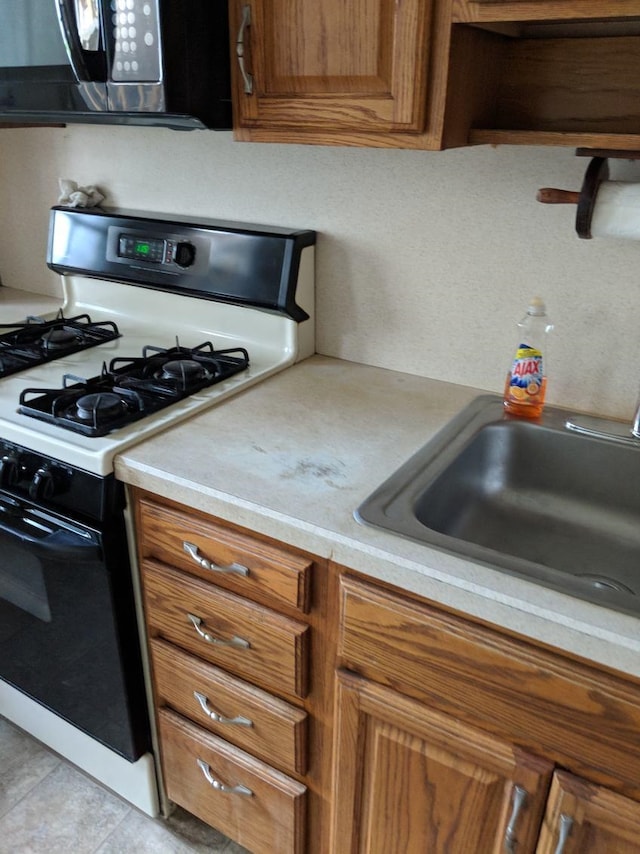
(584, 718)
(214, 553)
(239, 635)
(269, 818)
(267, 727)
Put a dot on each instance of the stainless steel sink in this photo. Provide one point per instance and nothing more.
(531, 498)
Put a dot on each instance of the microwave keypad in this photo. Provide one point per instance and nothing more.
(136, 39)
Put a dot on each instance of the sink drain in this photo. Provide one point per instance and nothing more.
(602, 582)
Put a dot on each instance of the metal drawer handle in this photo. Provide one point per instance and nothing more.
(220, 787)
(192, 550)
(566, 823)
(519, 798)
(238, 720)
(245, 24)
(240, 643)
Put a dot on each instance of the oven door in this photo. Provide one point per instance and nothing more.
(68, 631)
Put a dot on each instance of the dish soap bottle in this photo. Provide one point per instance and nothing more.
(526, 384)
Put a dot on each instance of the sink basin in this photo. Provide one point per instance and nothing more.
(532, 498)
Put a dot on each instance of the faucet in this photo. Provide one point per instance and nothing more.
(605, 428)
(635, 425)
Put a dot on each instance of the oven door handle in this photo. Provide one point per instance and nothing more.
(56, 543)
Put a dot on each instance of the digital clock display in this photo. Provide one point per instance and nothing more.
(150, 249)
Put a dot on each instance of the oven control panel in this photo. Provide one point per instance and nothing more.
(29, 476)
(164, 252)
(156, 250)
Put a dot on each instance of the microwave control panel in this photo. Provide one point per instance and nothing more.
(136, 38)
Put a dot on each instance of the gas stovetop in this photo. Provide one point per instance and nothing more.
(38, 340)
(120, 362)
(132, 388)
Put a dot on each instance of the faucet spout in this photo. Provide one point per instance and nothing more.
(635, 425)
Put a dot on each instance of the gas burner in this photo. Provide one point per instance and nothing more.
(58, 338)
(131, 388)
(99, 406)
(37, 340)
(185, 369)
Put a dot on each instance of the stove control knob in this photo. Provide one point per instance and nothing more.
(185, 254)
(42, 484)
(9, 469)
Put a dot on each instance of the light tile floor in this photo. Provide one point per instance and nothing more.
(48, 805)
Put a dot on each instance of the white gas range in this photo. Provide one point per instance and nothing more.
(165, 306)
(161, 319)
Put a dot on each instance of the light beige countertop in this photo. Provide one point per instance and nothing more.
(15, 305)
(294, 456)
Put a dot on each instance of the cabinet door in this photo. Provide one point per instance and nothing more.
(585, 819)
(408, 779)
(331, 65)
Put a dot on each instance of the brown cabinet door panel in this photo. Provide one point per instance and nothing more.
(592, 820)
(408, 779)
(358, 66)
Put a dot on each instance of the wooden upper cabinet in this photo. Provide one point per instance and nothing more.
(329, 70)
(532, 10)
(433, 75)
(554, 72)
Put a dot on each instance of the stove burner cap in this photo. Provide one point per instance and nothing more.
(58, 338)
(182, 369)
(102, 405)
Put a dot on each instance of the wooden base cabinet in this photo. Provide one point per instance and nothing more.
(452, 737)
(304, 709)
(239, 637)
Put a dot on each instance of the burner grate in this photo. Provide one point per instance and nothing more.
(38, 341)
(131, 388)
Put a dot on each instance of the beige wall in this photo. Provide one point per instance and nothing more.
(425, 259)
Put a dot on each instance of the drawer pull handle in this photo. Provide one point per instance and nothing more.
(519, 798)
(234, 568)
(239, 643)
(238, 720)
(220, 787)
(566, 823)
(244, 25)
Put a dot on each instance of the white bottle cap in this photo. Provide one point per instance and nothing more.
(537, 307)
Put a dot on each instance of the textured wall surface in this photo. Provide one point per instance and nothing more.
(425, 260)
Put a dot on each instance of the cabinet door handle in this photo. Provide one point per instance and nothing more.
(566, 823)
(215, 716)
(192, 550)
(244, 25)
(220, 787)
(240, 643)
(519, 798)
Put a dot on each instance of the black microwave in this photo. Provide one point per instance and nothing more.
(149, 62)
